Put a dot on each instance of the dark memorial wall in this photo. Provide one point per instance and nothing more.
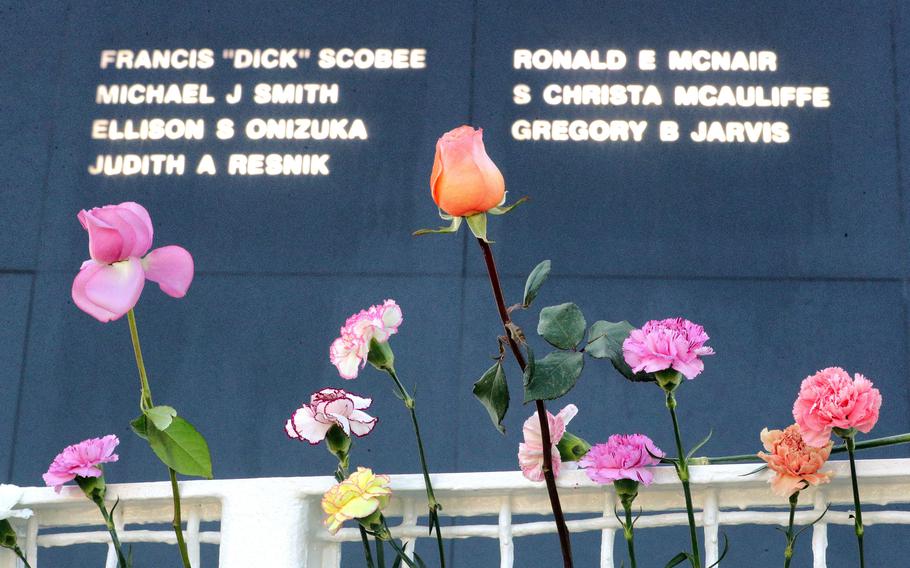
(782, 227)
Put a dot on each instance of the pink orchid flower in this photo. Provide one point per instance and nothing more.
(110, 283)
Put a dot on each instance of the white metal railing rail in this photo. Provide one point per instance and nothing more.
(282, 516)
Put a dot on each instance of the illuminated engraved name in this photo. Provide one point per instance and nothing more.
(295, 93)
(157, 58)
(149, 129)
(593, 60)
(138, 164)
(704, 60)
(742, 96)
(753, 132)
(580, 130)
(305, 129)
(616, 95)
(172, 94)
(278, 164)
(364, 58)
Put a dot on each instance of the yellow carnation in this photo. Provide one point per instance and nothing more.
(357, 497)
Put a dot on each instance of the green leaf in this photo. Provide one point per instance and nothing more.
(563, 326)
(699, 445)
(478, 225)
(181, 447)
(677, 560)
(452, 228)
(161, 416)
(605, 340)
(503, 209)
(535, 280)
(493, 393)
(7, 535)
(553, 376)
(140, 427)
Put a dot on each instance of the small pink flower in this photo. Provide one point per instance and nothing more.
(624, 456)
(81, 460)
(831, 399)
(673, 343)
(328, 407)
(110, 283)
(794, 463)
(349, 352)
(530, 452)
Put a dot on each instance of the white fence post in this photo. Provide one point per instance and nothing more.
(263, 523)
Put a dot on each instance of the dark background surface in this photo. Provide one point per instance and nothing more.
(793, 256)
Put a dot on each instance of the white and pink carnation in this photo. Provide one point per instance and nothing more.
(330, 407)
(349, 351)
(530, 452)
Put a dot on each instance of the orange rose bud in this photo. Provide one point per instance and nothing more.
(465, 181)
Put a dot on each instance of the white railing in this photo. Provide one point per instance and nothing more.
(281, 517)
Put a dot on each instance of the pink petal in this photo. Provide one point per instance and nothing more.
(107, 291)
(104, 241)
(306, 426)
(362, 423)
(172, 268)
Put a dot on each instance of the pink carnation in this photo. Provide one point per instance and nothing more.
(327, 408)
(110, 282)
(530, 452)
(794, 463)
(831, 399)
(673, 343)
(81, 460)
(349, 352)
(624, 456)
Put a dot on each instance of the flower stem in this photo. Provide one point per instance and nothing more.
(565, 542)
(145, 403)
(788, 552)
(177, 522)
(384, 534)
(627, 531)
(858, 516)
(864, 445)
(112, 530)
(380, 553)
(18, 552)
(145, 398)
(682, 470)
(431, 497)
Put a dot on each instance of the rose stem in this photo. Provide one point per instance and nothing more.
(563, 530)
(145, 402)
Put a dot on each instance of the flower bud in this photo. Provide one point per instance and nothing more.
(465, 181)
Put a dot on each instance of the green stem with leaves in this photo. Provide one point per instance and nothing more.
(145, 403)
(682, 470)
(788, 552)
(385, 535)
(842, 448)
(858, 515)
(434, 505)
(112, 530)
(627, 532)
